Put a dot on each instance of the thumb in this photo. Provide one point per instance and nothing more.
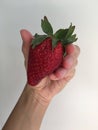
(26, 37)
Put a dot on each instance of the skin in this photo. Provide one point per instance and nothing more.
(34, 100)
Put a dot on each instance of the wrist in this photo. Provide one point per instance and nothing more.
(34, 107)
(28, 112)
(33, 95)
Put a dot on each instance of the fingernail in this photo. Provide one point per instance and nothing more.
(70, 48)
(68, 62)
(61, 72)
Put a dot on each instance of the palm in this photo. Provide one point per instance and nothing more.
(49, 88)
(55, 82)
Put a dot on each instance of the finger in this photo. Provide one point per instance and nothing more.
(27, 38)
(72, 68)
(76, 51)
(68, 77)
(69, 49)
(71, 58)
(75, 63)
(58, 74)
(62, 72)
(68, 62)
(53, 77)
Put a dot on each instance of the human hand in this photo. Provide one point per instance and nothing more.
(55, 82)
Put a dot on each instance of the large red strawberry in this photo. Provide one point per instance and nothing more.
(47, 51)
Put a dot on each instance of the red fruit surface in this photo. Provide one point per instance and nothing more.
(43, 60)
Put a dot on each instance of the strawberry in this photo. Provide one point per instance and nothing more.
(47, 51)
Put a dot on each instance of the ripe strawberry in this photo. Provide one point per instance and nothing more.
(47, 51)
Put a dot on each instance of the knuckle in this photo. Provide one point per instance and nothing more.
(76, 63)
(77, 50)
(76, 54)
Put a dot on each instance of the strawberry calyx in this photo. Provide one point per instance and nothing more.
(65, 36)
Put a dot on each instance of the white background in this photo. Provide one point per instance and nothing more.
(76, 107)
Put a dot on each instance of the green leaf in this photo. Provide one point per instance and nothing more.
(46, 26)
(38, 39)
(54, 42)
(70, 31)
(36, 35)
(61, 33)
(71, 39)
(73, 36)
(65, 53)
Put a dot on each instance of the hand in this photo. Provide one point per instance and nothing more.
(55, 82)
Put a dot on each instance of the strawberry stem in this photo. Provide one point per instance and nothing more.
(66, 36)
